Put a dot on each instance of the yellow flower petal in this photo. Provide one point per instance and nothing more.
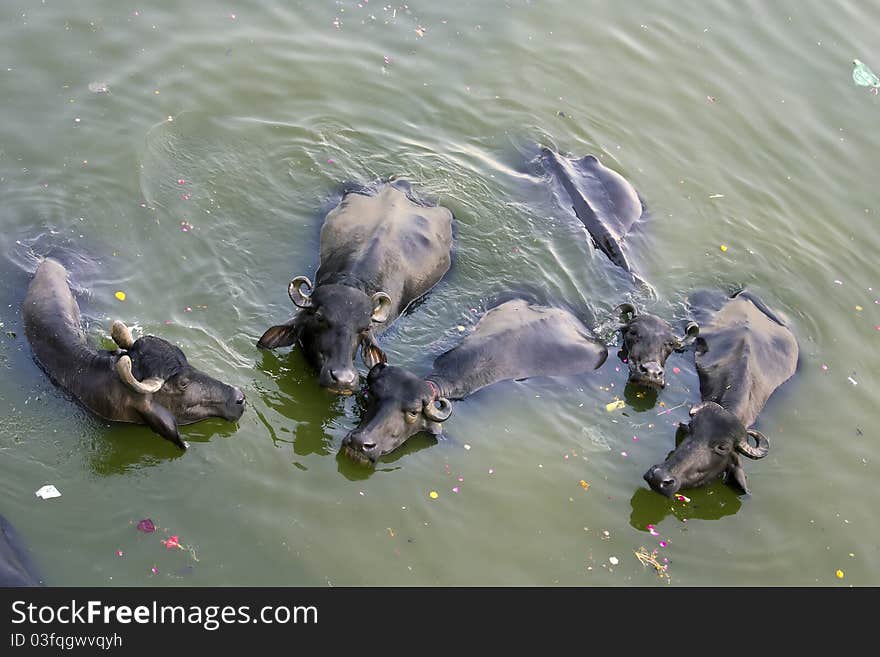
(120, 295)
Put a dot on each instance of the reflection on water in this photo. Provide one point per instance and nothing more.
(640, 398)
(708, 503)
(298, 397)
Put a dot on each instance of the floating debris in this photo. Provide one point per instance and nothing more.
(864, 76)
(650, 559)
(98, 87)
(615, 405)
(47, 492)
(120, 295)
(839, 574)
(613, 561)
(146, 525)
(433, 495)
(584, 484)
(723, 248)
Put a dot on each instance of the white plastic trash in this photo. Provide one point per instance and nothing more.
(47, 492)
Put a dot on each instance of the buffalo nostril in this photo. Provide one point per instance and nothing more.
(368, 446)
(666, 483)
(239, 397)
(344, 376)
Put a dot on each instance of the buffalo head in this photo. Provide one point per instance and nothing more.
(333, 321)
(711, 447)
(399, 405)
(168, 391)
(647, 343)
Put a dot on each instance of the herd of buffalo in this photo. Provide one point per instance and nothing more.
(381, 249)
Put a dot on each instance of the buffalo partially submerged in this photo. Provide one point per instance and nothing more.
(145, 381)
(604, 201)
(515, 340)
(647, 343)
(15, 565)
(744, 352)
(379, 253)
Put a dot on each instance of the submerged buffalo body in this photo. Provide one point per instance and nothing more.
(602, 199)
(147, 381)
(379, 253)
(15, 565)
(515, 340)
(744, 353)
(647, 343)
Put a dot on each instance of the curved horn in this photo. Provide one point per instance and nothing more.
(759, 452)
(295, 292)
(625, 309)
(436, 414)
(145, 387)
(691, 331)
(381, 306)
(121, 335)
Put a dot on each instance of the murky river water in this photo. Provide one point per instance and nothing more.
(193, 176)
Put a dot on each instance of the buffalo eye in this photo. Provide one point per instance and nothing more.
(722, 448)
(182, 382)
(412, 414)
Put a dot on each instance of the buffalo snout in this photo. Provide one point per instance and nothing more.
(662, 480)
(360, 447)
(649, 374)
(343, 378)
(236, 408)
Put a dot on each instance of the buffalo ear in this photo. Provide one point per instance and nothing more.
(282, 335)
(738, 476)
(163, 422)
(381, 307)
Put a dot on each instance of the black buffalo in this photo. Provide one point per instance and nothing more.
(515, 340)
(145, 381)
(379, 253)
(604, 201)
(647, 341)
(744, 353)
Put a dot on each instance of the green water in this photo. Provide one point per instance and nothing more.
(263, 109)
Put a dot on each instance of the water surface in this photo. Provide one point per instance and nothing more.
(193, 176)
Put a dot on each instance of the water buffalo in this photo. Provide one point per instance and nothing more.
(602, 199)
(145, 381)
(15, 565)
(515, 340)
(647, 343)
(379, 253)
(744, 352)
